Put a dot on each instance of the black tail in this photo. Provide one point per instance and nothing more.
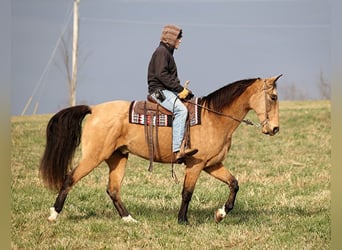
(63, 135)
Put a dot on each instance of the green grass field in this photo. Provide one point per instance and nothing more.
(283, 202)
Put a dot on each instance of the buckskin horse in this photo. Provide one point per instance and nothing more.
(108, 136)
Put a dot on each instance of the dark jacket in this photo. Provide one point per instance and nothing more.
(162, 70)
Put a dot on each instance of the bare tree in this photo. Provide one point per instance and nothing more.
(66, 61)
(324, 87)
(69, 53)
(291, 92)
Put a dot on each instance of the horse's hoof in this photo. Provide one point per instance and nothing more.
(219, 215)
(53, 214)
(183, 222)
(129, 219)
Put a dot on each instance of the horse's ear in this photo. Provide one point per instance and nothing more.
(272, 80)
(277, 77)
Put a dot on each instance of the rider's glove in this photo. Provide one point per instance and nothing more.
(183, 94)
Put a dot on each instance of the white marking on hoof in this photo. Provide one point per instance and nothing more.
(220, 214)
(53, 214)
(129, 219)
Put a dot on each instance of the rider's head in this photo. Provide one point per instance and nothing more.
(171, 35)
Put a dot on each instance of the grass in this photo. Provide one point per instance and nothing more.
(283, 202)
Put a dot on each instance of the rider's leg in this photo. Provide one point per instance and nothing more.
(180, 112)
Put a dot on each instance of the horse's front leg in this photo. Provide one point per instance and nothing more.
(221, 173)
(191, 175)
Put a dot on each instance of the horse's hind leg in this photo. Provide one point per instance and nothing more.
(221, 173)
(117, 164)
(85, 166)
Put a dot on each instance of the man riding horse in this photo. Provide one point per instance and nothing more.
(107, 134)
(164, 87)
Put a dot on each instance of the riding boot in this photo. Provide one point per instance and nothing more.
(180, 155)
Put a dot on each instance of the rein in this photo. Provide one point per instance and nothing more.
(246, 121)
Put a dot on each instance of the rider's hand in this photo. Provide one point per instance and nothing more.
(183, 94)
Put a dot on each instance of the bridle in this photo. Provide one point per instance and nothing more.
(266, 115)
(246, 121)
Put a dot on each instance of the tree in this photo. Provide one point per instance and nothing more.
(66, 61)
(291, 92)
(324, 87)
(69, 57)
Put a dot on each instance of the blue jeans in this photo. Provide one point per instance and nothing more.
(180, 112)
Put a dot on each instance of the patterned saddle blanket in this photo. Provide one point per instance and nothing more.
(147, 113)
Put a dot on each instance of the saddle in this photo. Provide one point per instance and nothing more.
(149, 112)
(152, 115)
(152, 105)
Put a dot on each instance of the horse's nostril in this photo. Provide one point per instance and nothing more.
(275, 130)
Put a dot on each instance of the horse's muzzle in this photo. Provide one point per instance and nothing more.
(270, 131)
(275, 130)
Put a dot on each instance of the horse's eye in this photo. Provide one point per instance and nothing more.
(274, 97)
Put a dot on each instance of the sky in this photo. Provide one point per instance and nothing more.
(223, 41)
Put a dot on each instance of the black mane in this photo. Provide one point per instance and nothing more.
(226, 95)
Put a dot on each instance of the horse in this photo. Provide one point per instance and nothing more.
(106, 135)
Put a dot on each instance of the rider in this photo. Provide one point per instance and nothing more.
(164, 86)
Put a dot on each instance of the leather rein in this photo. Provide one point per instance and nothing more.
(246, 121)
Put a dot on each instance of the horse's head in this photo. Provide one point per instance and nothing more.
(265, 103)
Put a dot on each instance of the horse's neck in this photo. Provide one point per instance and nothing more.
(235, 113)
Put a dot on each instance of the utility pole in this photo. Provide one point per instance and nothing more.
(72, 100)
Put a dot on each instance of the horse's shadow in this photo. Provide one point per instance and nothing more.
(197, 216)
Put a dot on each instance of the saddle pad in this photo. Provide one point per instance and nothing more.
(138, 116)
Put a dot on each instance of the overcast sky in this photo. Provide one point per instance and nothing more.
(223, 41)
